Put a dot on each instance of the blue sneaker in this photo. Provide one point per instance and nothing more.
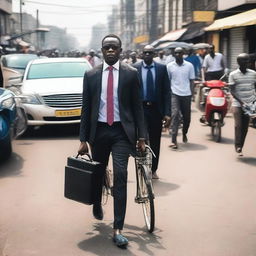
(120, 241)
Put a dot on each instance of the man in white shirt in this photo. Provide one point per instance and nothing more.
(182, 75)
(214, 65)
(93, 59)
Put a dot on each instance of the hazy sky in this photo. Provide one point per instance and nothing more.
(78, 16)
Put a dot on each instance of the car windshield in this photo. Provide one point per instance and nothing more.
(57, 70)
(18, 61)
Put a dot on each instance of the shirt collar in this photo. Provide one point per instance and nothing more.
(145, 65)
(115, 66)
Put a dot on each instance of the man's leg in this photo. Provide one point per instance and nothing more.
(185, 108)
(244, 127)
(175, 117)
(237, 112)
(155, 130)
(121, 150)
(100, 153)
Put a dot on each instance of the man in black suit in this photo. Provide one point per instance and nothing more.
(112, 121)
(156, 95)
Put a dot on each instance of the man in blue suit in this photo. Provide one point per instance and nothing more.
(156, 96)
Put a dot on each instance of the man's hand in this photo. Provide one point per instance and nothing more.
(83, 149)
(141, 145)
(166, 121)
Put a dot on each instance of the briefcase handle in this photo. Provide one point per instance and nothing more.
(86, 154)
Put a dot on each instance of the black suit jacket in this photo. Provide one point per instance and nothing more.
(162, 83)
(130, 105)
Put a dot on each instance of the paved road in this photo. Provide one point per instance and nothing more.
(205, 200)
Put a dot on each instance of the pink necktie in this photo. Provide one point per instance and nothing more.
(110, 100)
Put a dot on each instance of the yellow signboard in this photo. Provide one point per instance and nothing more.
(203, 16)
(141, 39)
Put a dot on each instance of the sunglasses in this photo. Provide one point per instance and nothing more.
(113, 47)
(147, 52)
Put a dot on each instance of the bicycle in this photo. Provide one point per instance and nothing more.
(144, 186)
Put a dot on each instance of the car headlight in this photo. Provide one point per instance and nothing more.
(8, 102)
(30, 99)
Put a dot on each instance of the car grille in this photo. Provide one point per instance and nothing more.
(63, 100)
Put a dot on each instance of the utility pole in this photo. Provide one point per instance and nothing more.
(21, 2)
(37, 26)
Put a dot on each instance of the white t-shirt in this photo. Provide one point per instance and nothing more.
(213, 64)
(180, 77)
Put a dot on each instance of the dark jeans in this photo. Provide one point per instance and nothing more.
(112, 139)
(241, 126)
(215, 75)
(180, 104)
(153, 121)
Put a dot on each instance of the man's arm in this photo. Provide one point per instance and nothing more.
(138, 112)
(167, 98)
(232, 86)
(85, 118)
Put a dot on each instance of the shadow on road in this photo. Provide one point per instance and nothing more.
(162, 188)
(248, 160)
(52, 132)
(12, 167)
(100, 242)
(224, 140)
(192, 146)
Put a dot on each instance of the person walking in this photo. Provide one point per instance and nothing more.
(182, 75)
(156, 95)
(161, 58)
(214, 65)
(112, 121)
(242, 85)
(93, 59)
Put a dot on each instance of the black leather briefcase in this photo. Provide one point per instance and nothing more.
(80, 179)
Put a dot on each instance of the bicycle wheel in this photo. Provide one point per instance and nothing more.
(146, 198)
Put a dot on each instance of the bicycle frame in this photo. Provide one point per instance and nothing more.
(145, 160)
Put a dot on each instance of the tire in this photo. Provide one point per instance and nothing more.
(6, 148)
(147, 199)
(216, 131)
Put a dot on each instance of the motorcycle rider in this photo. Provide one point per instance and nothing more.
(242, 84)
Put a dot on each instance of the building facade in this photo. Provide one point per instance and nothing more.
(5, 19)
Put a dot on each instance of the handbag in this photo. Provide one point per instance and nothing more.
(80, 178)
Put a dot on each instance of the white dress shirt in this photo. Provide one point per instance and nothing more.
(103, 96)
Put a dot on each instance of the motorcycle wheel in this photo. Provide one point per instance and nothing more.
(6, 148)
(216, 131)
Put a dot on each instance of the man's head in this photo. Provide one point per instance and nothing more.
(148, 54)
(133, 55)
(211, 48)
(91, 52)
(178, 54)
(161, 54)
(111, 48)
(243, 60)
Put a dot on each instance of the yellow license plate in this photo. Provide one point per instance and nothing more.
(71, 112)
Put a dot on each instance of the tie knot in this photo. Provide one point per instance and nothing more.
(110, 68)
(149, 67)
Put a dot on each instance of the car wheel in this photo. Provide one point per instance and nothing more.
(6, 148)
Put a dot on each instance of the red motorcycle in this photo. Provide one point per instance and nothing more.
(213, 100)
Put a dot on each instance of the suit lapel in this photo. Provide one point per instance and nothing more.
(98, 82)
(156, 79)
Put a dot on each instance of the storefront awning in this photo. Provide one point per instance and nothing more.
(170, 36)
(193, 30)
(239, 20)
